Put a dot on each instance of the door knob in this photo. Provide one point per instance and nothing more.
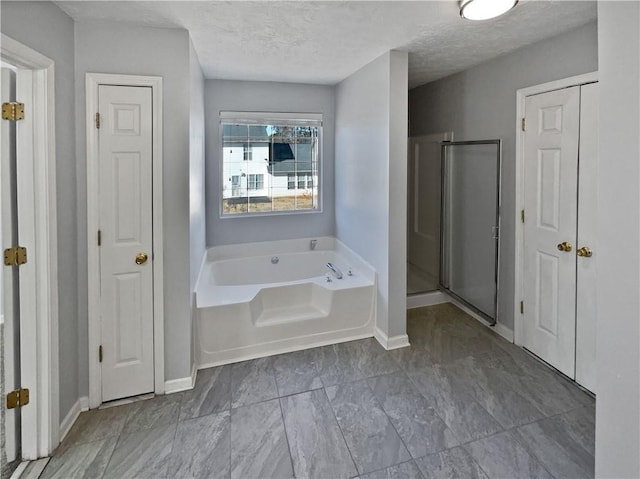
(141, 258)
(585, 252)
(565, 246)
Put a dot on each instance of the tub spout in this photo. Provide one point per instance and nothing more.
(336, 271)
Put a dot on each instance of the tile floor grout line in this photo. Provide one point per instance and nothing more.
(449, 426)
(284, 426)
(390, 422)
(412, 460)
(286, 436)
(341, 432)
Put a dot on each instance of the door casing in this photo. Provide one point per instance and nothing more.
(521, 96)
(93, 80)
(36, 185)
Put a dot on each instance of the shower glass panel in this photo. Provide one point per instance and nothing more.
(470, 223)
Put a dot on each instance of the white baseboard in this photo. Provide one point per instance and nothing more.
(81, 405)
(394, 342)
(504, 331)
(181, 384)
(426, 299)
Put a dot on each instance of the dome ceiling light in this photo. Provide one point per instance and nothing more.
(485, 9)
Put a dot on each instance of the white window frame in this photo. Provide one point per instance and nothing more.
(274, 118)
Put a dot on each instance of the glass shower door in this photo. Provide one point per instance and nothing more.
(470, 223)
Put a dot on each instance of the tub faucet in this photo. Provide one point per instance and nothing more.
(312, 244)
(335, 269)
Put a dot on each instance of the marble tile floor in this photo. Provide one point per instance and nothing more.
(460, 402)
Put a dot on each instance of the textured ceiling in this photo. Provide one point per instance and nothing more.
(326, 41)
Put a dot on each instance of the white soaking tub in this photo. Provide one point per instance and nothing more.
(260, 299)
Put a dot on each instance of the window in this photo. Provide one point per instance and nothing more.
(247, 153)
(301, 182)
(270, 163)
(255, 182)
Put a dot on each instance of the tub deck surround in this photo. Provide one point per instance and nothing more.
(260, 299)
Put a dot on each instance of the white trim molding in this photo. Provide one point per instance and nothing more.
(39, 276)
(181, 384)
(521, 97)
(388, 343)
(426, 299)
(80, 406)
(93, 80)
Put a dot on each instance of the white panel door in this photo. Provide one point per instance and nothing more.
(587, 231)
(125, 156)
(10, 305)
(550, 192)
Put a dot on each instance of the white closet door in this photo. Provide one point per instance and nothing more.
(126, 262)
(550, 190)
(586, 267)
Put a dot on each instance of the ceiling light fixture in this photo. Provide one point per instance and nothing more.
(485, 9)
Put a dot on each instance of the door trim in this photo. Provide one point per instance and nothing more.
(39, 340)
(93, 80)
(521, 97)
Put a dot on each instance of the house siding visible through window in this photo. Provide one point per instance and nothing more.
(270, 165)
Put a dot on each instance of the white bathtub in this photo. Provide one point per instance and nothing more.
(248, 307)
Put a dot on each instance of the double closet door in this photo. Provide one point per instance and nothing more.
(559, 235)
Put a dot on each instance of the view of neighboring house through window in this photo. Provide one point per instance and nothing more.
(270, 163)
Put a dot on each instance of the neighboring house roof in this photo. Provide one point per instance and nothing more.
(284, 158)
(285, 161)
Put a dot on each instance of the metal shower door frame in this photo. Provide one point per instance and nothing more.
(444, 224)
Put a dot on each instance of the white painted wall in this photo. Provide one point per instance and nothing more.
(105, 47)
(618, 329)
(45, 28)
(480, 103)
(371, 170)
(197, 209)
(225, 95)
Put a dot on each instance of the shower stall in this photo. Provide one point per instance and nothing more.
(454, 220)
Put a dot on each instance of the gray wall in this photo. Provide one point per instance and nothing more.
(224, 95)
(371, 165)
(45, 28)
(618, 328)
(103, 47)
(197, 219)
(480, 103)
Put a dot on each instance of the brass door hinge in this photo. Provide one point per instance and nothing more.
(13, 111)
(522, 215)
(100, 353)
(17, 398)
(524, 124)
(15, 256)
(521, 307)
(98, 121)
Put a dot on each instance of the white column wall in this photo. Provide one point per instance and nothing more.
(371, 176)
(618, 329)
